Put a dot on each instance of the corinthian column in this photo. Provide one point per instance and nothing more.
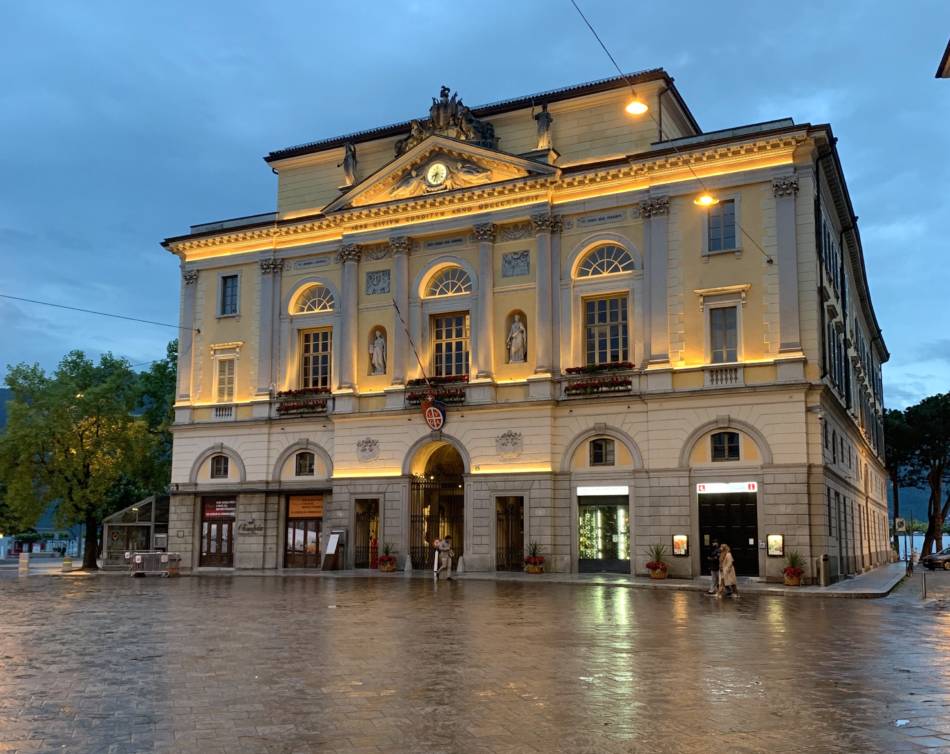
(270, 297)
(785, 190)
(189, 290)
(485, 234)
(400, 342)
(544, 225)
(350, 257)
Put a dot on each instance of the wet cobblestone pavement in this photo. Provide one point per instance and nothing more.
(250, 664)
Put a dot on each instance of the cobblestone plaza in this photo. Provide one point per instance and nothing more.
(324, 664)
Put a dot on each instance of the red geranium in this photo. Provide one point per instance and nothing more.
(657, 565)
(793, 572)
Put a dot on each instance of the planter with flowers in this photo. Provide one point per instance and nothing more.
(387, 561)
(794, 569)
(534, 560)
(656, 565)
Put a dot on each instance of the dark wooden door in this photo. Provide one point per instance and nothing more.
(731, 518)
(509, 533)
(302, 549)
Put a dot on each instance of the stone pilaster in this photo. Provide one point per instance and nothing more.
(544, 225)
(785, 190)
(655, 213)
(349, 255)
(399, 245)
(270, 301)
(186, 336)
(485, 235)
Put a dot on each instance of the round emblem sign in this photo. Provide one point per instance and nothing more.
(434, 414)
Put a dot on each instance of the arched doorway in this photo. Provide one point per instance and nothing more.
(437, 505)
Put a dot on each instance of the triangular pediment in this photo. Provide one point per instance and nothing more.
(435, 166)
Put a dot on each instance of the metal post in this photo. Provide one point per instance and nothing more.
(923, 585)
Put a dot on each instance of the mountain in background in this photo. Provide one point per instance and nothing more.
(913, 503)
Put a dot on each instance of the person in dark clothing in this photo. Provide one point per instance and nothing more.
(712, 559)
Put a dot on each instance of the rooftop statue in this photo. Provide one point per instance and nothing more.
(448, 116)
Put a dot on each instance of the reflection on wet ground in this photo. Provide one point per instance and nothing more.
(252, 664)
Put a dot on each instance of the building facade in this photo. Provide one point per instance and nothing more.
(514, 324)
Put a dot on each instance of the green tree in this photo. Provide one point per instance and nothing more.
(929, 423)
(73, 437)
(899, 444)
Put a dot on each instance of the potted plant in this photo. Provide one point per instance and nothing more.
(387, 561)
(656, 565)
(534, 561)
(794, 570)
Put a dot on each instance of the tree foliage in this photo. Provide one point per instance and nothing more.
(92, 437)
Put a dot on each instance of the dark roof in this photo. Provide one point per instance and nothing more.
(494, 108)
(943, 70)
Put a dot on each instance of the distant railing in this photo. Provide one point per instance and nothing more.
(731, 376)
(223, 413)
(612, 378)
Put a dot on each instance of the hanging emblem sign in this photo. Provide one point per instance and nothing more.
(433, 412)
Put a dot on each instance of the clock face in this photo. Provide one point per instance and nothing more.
(436, 174)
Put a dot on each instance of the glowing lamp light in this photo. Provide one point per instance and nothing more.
(636, 106)
(705, 199)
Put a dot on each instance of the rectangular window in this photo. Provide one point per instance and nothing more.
(219, 467)
(723, 334)
(601, 452)
(828, 490)
(225, 380)
(450, 344)
(605, 328)
(315, 359)
(229, 295)
(725, 446)
(722, 226)
(834, 447)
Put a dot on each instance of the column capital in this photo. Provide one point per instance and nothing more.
(269, 266)
(399, 244)
(189, 276)
(785, 186)
(546, 222)
(659, 205)
(349, 252)
(484, 232)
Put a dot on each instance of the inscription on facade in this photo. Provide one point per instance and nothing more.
(304, 264)
(444, 243)
(515, 264)
(377, 281)
(601, 218)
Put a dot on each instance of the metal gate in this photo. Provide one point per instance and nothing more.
(366, 528)
(436, 510)
(509, 533)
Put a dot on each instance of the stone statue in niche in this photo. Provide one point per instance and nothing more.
(377, 354)
(517, 342)
(349, 164)
(544, 120)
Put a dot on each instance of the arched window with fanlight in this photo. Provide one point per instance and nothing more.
(315, 300)
(450, 281)
(605, 260)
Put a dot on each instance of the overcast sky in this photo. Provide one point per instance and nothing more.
(122, 123)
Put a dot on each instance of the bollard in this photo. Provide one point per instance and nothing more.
(923, 585)
(67, 565)
(24, 567)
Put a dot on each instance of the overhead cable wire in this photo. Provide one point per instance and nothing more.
(98, 313)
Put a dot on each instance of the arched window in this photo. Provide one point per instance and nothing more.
(304, 464)
(605, 260)
(219, 467)
(452, 281)
(725, 446)
(316, 299)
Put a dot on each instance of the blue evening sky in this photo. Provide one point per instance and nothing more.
(121, 123)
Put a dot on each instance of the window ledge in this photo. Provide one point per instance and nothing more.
(707, 254)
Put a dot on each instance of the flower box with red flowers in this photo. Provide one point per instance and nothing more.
(387, 563)
(610, 366)
(447, 380)
(452, 397)
(599, 386)
(303, 401)
(657, 565)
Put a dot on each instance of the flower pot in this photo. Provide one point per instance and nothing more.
(387, 567)
(793, 580)
(658, 573)
(532, 568)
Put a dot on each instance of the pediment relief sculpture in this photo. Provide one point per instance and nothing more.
(448, 117)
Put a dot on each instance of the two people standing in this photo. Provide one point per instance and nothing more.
(723, 570)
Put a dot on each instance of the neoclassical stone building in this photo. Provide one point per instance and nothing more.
(619, 365)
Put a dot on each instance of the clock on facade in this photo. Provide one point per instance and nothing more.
(436, 174)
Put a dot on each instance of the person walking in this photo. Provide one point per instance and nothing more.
(712, 560)
(727, 575)
(445, 553)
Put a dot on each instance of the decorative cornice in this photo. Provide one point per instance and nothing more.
(654, 207)
(484, 232)
(545, 222)
(349, 252)
(787, 185)
(190, 277)
(399, 244)
(269, 266)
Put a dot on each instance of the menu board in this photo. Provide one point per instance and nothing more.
(305, 506)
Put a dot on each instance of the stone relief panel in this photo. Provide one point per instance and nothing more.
(377, 282)
(515, 264)
(509, 444)
(367, 449)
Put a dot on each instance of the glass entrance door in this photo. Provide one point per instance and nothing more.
(509, 533)
(303, 543)
(603, 534)
(217, 532)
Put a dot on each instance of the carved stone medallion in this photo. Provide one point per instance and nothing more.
(509, 444)
(367, 449)
(377, 282)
